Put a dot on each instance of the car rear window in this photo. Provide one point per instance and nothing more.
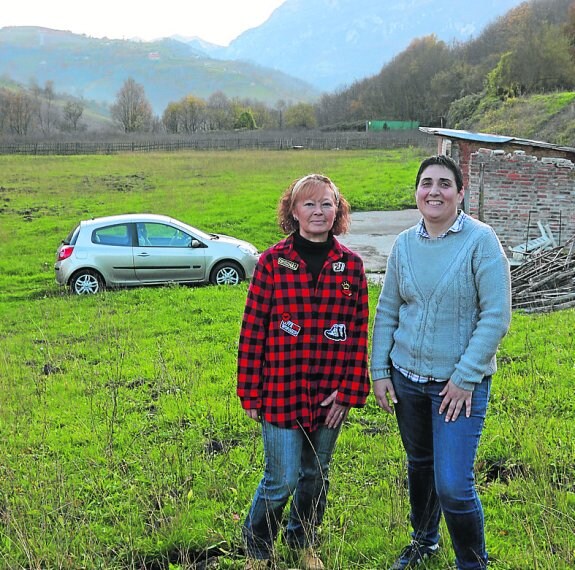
(72, 236)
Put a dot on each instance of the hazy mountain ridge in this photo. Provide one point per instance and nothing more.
(332, 43)
(169, 70)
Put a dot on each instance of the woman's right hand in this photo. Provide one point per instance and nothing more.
(384, 392)
(254, 415)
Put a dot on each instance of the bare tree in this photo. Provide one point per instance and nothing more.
(71, 115)
(44, 103)
(4, 104)
(281, 106)
(193, 111)
(132, 109)
(19, 109)
(220, 112)
(171, 117)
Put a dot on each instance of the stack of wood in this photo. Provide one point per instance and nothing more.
(546, 281)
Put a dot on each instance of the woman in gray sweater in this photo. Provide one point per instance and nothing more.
(443, 310)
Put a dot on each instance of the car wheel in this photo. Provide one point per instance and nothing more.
(226, 273)
(86, 282)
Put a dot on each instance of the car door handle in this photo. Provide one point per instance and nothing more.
(144, 254)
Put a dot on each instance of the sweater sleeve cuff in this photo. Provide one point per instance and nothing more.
(380, 373)
(464, 384)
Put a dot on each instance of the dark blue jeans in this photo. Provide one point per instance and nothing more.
(296, 463)
(440, 468)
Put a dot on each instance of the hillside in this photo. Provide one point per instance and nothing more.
(547, 117)
(169, 70)
(482, 84)
(332, 43)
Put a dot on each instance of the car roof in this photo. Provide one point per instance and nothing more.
(120, 218)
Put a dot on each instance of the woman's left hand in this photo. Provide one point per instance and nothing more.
(454, 398)
(337, 412)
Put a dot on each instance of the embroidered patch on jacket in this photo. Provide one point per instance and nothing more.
(290, 327)
(337, 332)
(346, 288)
(338, 266)
(287, 263)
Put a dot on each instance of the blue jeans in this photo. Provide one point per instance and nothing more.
(440, 468)
(296, 463)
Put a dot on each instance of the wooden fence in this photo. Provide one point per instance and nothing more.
(253, 141)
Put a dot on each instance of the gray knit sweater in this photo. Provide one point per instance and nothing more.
(444, 307)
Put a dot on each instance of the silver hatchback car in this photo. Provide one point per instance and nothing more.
(148, 249)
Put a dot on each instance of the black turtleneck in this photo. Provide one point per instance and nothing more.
(313, 253)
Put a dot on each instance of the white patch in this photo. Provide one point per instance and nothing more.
(287, 263)
(338, 267)
(337, 332)
(290, 327)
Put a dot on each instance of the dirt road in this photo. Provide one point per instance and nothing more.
(372, 234)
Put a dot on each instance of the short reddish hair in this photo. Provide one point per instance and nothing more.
(304, 188)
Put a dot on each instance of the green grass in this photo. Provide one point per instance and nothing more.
(42, 198)
(122, 442)
(547, 117)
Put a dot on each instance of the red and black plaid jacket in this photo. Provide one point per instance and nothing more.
(297, 344)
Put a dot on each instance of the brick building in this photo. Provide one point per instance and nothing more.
(513, 183)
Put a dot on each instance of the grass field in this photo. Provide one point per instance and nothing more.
(123, 445)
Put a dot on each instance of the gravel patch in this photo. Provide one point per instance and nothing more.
(372, 234)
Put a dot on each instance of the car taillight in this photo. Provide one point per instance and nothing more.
(65, 252)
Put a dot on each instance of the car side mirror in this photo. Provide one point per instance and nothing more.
(195, 243)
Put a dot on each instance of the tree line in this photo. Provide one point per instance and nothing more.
(529, 50)
(39, 110)
(192, 114)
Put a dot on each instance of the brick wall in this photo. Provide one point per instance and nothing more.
(518, 190)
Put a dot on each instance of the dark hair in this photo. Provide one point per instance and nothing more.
(441, 160)
(306, 186)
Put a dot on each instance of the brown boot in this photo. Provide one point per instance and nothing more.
(256, 564)
(310, 560)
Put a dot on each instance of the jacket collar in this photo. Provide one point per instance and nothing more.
(286, 247)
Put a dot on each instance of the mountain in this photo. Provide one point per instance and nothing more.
(305, 47)
(332, 43)
(202, 46)
(168, 70)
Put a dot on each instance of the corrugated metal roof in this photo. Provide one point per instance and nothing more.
(488, 138)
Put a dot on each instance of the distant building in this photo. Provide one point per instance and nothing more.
(390, 125)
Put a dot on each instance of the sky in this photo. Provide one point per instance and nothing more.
(216, 21)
